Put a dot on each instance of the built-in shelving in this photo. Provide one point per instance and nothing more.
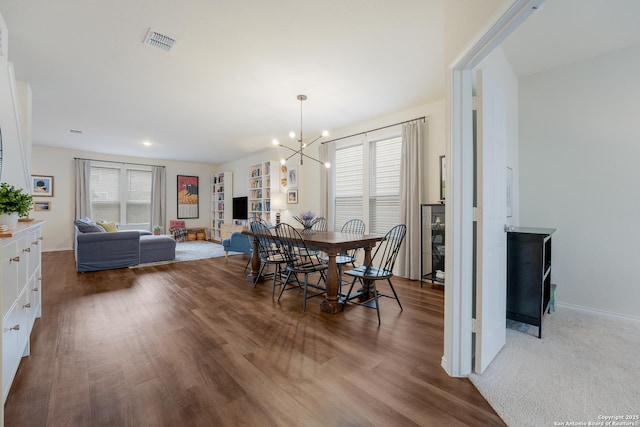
(221, 197)
(261, 184)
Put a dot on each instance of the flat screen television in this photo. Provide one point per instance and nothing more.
(240, 207)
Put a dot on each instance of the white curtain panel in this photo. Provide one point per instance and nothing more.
(158, 196)
(412, 181)
(327, 154)
(83, 190)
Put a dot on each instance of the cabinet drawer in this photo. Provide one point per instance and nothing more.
(10, 353)
(35, 245)
(9, 276)
(35, 294)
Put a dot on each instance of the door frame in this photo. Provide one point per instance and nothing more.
(457, 356)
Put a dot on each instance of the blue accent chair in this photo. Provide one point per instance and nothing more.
(237, 242)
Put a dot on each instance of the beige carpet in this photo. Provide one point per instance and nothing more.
(585, 368)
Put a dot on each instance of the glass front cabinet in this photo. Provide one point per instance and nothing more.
(432, 243)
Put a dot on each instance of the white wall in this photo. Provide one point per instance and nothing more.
(309, 173)
(579, 151)
(496, 67)
(15, 110)
(57, 162)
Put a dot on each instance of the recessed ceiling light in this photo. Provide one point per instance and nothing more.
(146, 143)
(75, 131)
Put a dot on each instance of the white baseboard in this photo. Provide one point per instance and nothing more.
(594, 310)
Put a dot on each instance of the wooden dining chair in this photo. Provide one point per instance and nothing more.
(269, 252)
(292, 244)
(380, 268)
(320, 224)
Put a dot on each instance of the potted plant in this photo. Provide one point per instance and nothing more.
(14, 202)
(157, 230)
(307, 219)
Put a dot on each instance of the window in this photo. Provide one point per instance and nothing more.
(121, 193)
(367, 184)
(348, 196)
(384, 184)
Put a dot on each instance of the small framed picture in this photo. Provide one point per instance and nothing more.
(292, 197)
(41, 185)
(41, 206)
(292, 177)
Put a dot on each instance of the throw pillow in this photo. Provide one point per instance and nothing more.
(85, 225)
(179, 234)
(109, 226)
(175, 223)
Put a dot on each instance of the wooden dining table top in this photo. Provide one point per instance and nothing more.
(334, 240)
(339, 240)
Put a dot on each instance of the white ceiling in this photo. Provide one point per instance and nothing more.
(231, 84)
(562, 32)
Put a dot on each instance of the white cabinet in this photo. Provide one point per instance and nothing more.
(20, 253)
(263, 180)
(221, 199)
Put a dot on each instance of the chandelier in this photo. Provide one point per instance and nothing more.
(301, 143)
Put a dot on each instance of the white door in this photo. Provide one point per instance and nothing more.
(491, 254)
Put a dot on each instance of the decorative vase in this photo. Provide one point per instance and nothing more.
(9, 219)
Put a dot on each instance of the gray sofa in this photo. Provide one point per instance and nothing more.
(97, 250)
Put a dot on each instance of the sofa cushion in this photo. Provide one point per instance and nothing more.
(157, 248)
(109, 226)
(85, 225)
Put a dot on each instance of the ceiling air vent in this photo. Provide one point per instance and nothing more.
(160, 41)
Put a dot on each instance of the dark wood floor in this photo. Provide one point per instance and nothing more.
(193, 343)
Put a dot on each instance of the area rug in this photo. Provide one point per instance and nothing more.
(191, 251)
(585, 369)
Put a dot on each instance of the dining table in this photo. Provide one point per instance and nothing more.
(332, 243)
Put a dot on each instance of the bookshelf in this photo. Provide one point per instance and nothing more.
(263, 179)
(221, 196)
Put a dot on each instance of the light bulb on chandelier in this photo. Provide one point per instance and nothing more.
(301, 142)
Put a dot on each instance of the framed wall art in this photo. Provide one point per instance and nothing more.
(41, 206)
(187, 197)
(41, 185)
(292, 197)
(292, 177)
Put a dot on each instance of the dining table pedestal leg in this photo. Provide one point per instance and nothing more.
(255, 261)
(331, 303)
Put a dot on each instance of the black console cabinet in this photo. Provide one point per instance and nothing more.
(528, 274)
(432, 251)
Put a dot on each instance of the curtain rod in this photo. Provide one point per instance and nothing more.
(120, 163)
(423, 118)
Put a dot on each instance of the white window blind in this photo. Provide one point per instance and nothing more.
(138, 196)
(105, 193)
(367, 184)
(348, 197)
(384, 184)
(121, 193)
